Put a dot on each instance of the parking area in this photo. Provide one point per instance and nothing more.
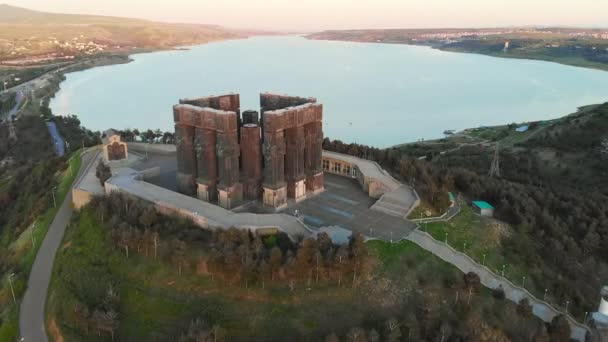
(344, 204)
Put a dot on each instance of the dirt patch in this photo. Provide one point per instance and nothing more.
(54, 331)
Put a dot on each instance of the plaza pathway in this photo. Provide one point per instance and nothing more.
(489, 279)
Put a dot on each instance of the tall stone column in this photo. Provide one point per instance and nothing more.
(275, 189)
(295, 162)
(230, 191)
(313, 156)
(206, 162)
(186, 159)
(251, 160)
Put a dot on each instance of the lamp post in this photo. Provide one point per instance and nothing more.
(483, 262)
(32, 236)
(503, 270)
(567, 302)
(545, 295)
(464, 247)
(523, 282)
(10, 282)
(53, 193)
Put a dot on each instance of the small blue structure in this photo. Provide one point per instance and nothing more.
(483, 208)
(522, 128)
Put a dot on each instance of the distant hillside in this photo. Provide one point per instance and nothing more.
(30, 32)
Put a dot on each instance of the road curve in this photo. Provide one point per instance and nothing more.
(31, 315)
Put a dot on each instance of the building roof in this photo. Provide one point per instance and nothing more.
(482, 205)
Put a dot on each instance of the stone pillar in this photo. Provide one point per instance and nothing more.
(250, 117)
(186, 159)
(294, 162)
(251, 157)
(313, 156)
(230, 191)
(275, 189)
(206, 162)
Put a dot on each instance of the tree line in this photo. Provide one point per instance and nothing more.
(233, 255)
(559, 205)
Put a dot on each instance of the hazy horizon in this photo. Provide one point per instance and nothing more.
(317, 15)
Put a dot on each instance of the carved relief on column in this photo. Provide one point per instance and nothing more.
(274, 158)
(313, 157)
(251, 160)
(186, 159)
(228, 151)
(204, 145)
(294, 156)
(275, 190)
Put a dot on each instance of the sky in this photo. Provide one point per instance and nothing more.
(314, 15)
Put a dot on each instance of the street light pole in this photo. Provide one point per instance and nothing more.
(32, 236)
(567, 302)
(503, 270)
(523, 282)
(446, 238)
(484, 260)
(10, 282)
(53, 193)
(545, 295)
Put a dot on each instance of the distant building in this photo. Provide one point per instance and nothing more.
(483, 208)
(113, 147)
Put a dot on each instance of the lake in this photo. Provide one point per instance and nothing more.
(375, 94)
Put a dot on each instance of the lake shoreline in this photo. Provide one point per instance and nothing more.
(474, 120)
(578, 62)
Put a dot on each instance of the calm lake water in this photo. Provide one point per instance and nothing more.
(377, 94)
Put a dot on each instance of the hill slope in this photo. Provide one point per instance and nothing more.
(29, 32)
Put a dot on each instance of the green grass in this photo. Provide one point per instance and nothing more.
(43, 223)
(158, 304)
(477, 237)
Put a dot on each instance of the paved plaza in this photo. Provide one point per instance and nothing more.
(344, 204)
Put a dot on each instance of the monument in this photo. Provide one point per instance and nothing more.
(225, 158)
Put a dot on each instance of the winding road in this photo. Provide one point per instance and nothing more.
(31, 315)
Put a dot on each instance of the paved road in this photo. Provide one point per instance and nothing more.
(31, 315)
(58, 143)
(489, 279)
(18, 100)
